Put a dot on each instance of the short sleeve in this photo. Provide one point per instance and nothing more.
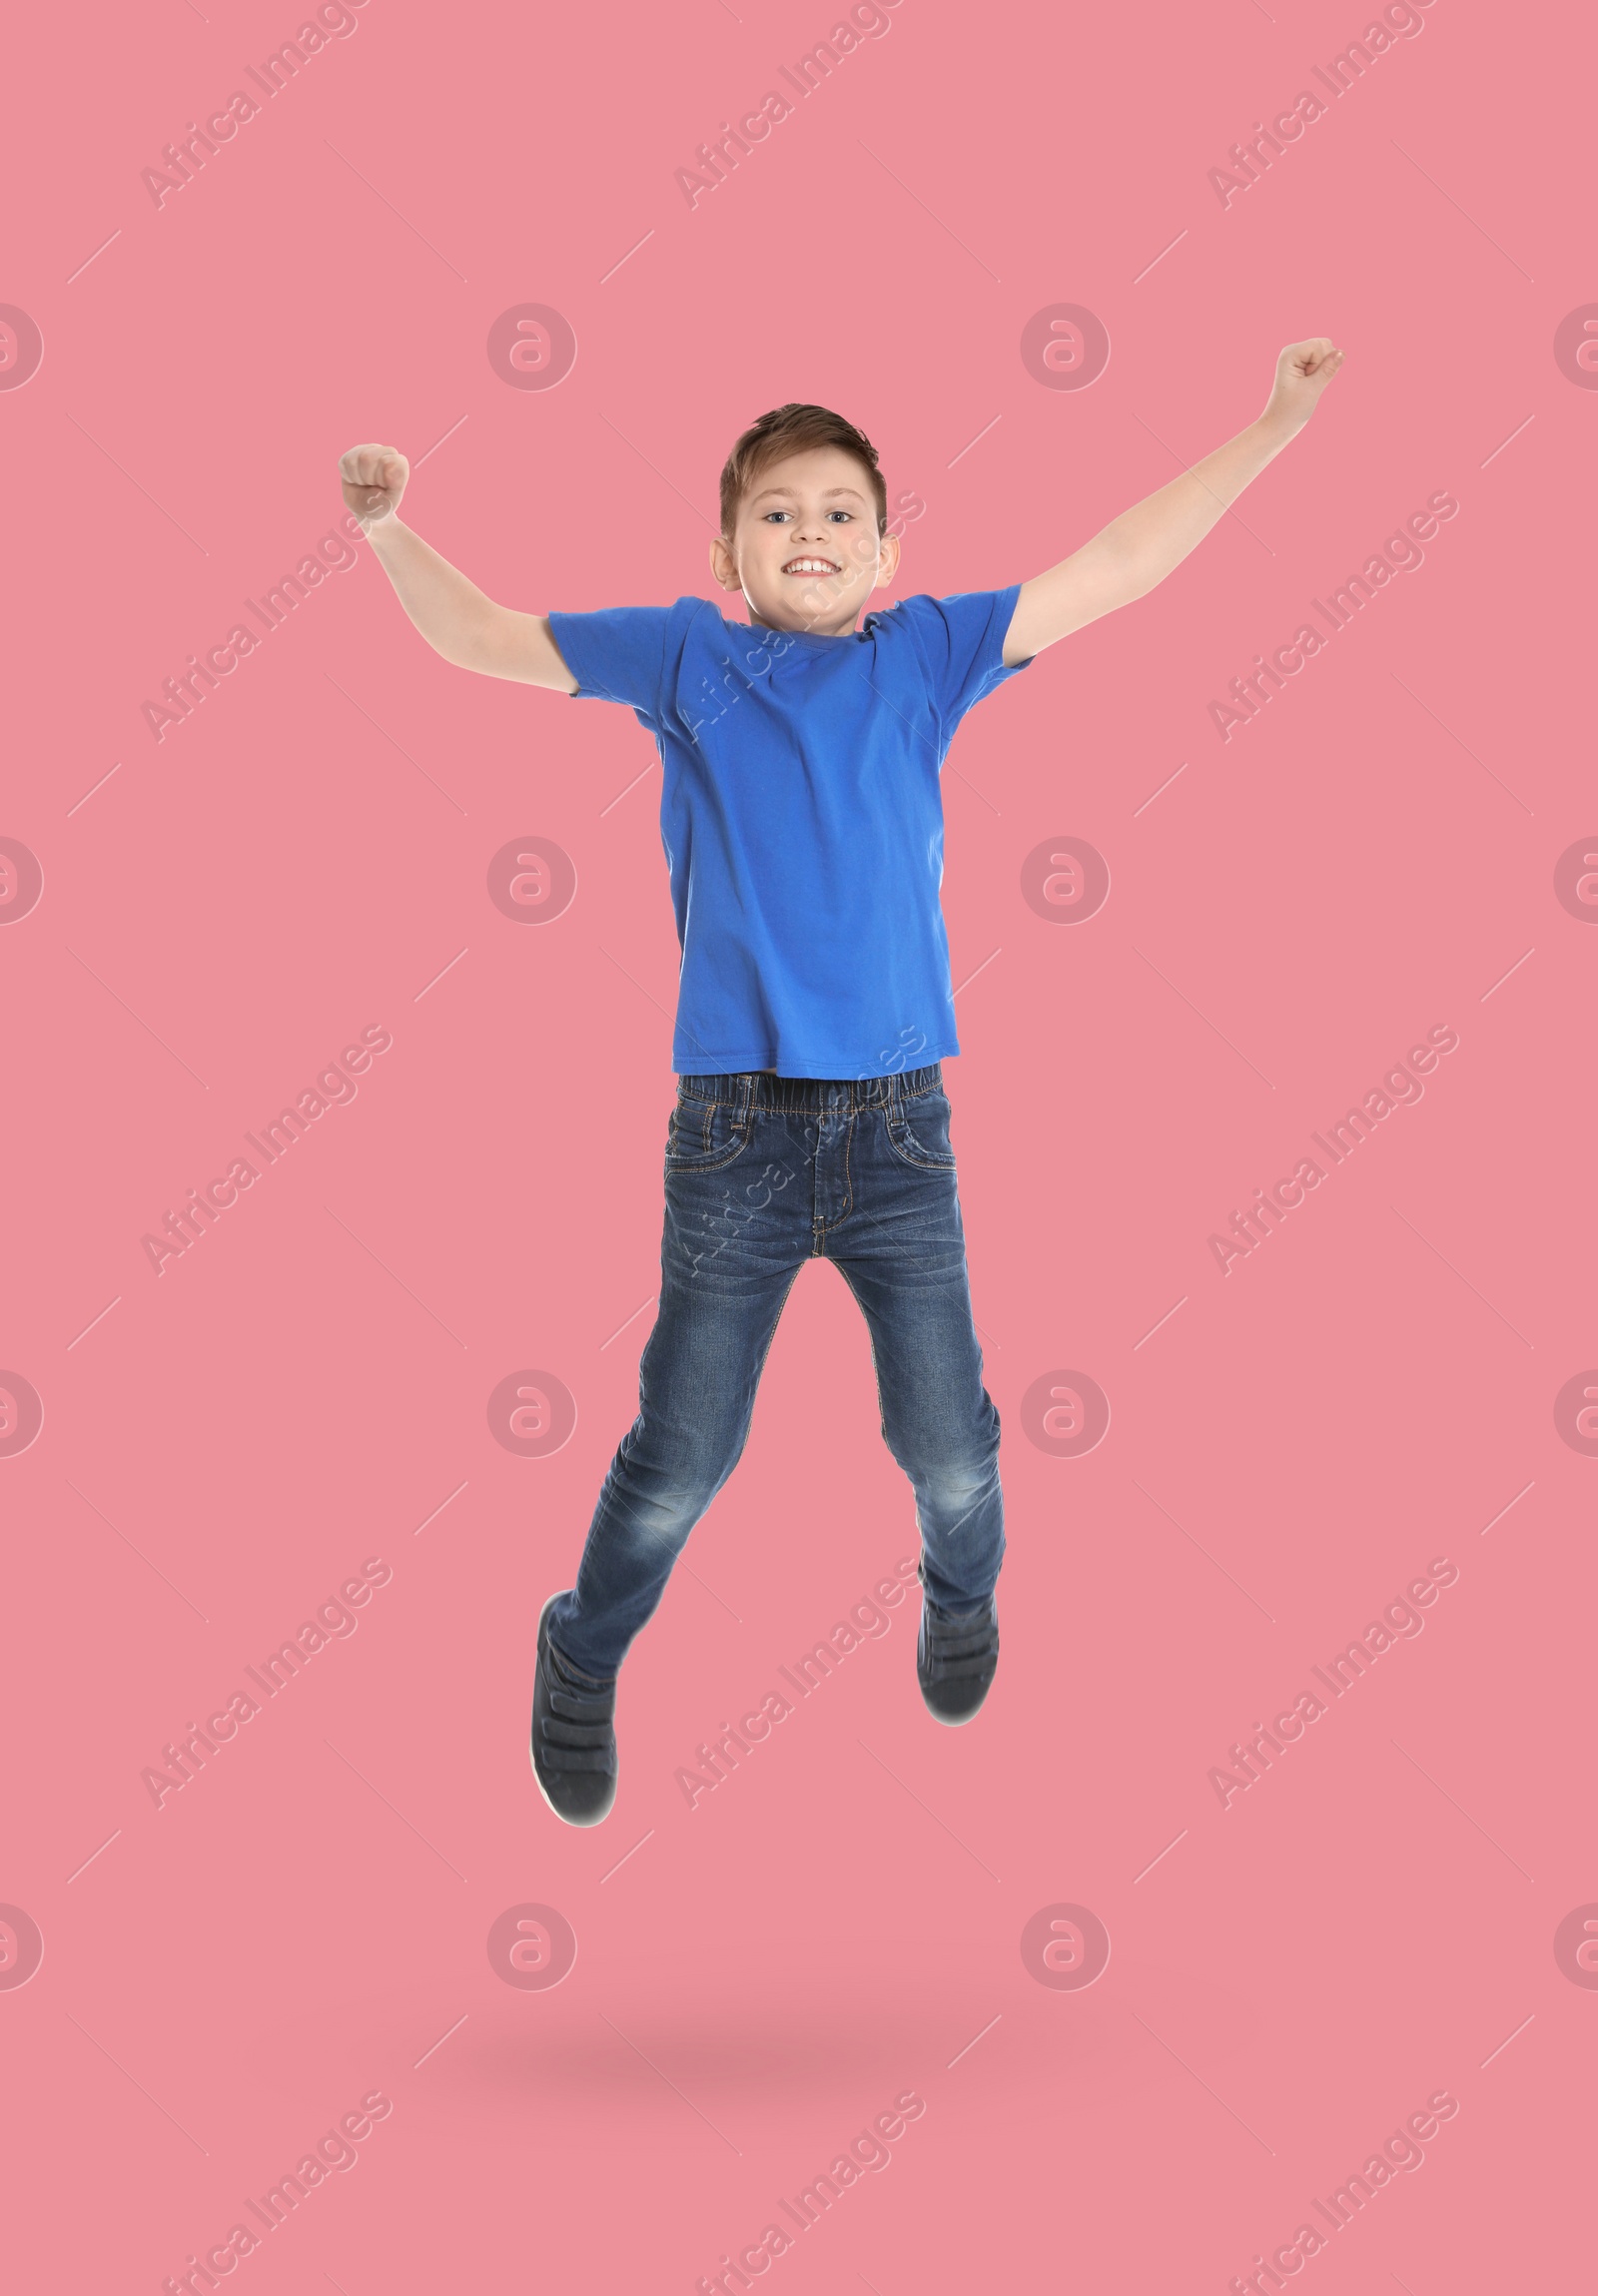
(961, 644)
(616, 655)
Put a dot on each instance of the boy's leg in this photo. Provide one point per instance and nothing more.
(901, 1250)
(737, 1232)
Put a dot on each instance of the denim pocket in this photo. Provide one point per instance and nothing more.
(703, 1135)
(918, 1132)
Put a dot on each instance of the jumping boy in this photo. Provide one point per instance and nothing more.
(803, 827)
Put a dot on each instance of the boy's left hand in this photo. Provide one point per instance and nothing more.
(1302, 374)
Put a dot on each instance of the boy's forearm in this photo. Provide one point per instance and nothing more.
(1151, 538)
(458, 621)
(452, 614)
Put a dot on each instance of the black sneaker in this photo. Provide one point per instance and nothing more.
(574, 1735)
(957, 1657)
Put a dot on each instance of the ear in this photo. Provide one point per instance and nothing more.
(887, 563)
(723, 566)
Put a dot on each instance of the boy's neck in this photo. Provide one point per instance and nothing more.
(802, 631)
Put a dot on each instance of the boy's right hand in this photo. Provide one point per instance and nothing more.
(373, 479)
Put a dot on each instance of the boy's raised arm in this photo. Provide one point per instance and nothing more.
(452, 614)
(1142, 545)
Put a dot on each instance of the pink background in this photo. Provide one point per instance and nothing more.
(1371, 1923)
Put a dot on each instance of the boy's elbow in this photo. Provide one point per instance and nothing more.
(481, 645)
(1133, 571)
(1137, 574)
(461, 654)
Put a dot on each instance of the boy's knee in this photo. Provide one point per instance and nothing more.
(952, 1486)
(934, 1455)
(959, 1485)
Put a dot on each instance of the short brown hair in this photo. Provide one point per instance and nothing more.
(792, 430)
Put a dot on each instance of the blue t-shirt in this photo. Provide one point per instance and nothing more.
(802, 820)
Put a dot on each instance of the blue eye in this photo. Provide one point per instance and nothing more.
(778, 515)
(846, 516)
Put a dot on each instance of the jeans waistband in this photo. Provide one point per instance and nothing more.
(812, 1096)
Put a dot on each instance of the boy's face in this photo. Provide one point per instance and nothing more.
(805, 550)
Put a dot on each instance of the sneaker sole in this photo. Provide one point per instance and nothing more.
(954, 1721)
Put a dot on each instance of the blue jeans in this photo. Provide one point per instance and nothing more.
(762, 1173)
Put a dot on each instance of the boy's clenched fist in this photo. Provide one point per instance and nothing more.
(373, 479)
(1302, 374)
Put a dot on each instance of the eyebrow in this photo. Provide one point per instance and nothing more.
(832, 493)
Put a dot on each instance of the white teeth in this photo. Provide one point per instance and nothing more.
(810, 566)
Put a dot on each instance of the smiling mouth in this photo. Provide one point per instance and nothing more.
(811, 566)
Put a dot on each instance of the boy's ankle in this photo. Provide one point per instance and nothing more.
(580, 1674)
